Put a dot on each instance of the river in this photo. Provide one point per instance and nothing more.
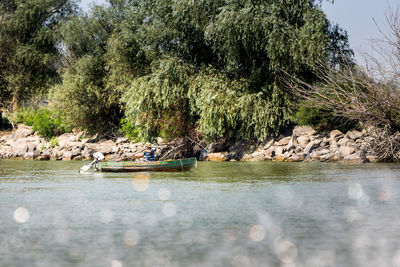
(220, 214)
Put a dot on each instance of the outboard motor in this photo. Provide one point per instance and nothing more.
(97, 158)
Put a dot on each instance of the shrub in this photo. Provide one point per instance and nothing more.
(42, 120)
(48, 125)
(53, 142)
(129, 130)
(25, 115)
(322, 119)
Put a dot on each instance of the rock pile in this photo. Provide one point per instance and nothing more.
(305, 144)
(24, 143)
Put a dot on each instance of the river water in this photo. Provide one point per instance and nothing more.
(220, 214)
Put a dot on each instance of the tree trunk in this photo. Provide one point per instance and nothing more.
(15, 102)
(1, 120)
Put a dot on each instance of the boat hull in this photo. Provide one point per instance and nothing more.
(150, 166)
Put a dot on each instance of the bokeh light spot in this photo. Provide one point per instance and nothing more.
(355, 191)
(169, 209)
(257, 233)
(21, 215)
(286, 251)
(164, 194)
(141, 182)
(106, 216)
(131, 238)
(115, 263)
(385, 194)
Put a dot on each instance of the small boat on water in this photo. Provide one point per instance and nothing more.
(149, 166)
(137, 166)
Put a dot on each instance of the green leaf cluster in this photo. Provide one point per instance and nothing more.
(42, 120)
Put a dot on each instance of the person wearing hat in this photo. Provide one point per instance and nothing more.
(149, 153)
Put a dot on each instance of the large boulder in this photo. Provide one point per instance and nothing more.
(106, 147)
(310, 146)
(346, 150)
(278, 151)
(20, 148)
(280, 158)
(22, 132)
(297, 157)
(67, 155)
(303, 141)
(303, 130)
(284, 141)
(292, 143)
(257, 156)
(354, 135)
(269, 144)
(355, 158)
(122, 140)
(32, 154)
(343, 141)
(218, 156)
(335, 134)
(67, 140)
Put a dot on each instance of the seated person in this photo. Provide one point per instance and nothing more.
(149, 153)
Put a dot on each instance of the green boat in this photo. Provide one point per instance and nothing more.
(149, 166)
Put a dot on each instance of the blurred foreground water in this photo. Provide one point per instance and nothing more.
(220, 214)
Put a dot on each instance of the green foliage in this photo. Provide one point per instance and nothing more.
(25, 115)
(103, 58)
(28, 46)
(49, 125)
(53, 142)
(42, 120)
(83, 100)
(160, 100)
(322, 119)
(217, 65)
(129, 130)
(227, 108)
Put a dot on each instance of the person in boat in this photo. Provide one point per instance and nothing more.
(149, 153)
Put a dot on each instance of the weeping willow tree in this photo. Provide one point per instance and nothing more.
(217, 64)
(172, 67)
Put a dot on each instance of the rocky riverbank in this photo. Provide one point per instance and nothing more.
(304, 144)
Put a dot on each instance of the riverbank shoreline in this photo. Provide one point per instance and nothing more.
(302, 144)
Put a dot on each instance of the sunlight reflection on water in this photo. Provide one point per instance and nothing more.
(239, 214)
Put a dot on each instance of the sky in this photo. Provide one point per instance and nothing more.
(355, 16)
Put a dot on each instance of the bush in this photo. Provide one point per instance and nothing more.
(129, 130)
(25, 115)
(322, 119)
(49, 125)
(53, 142)
(42, 120)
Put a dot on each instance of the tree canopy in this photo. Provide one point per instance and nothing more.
(172, 67)
(28, 46)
